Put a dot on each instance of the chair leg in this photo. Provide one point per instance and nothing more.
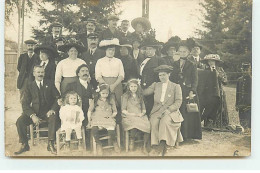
(126, 140)
(31, 134)
(37, 133)
(83, 138)
(58, 141)
(118, 135)
(94, 144)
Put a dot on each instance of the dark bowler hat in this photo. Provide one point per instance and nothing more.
(163, 68)
(55, 24)
(151, 42)
(94, 21)
(72, 43)
(92, 35)
(112, 17)
(48, 48)
(143, 21)
(30, 42)
(125, 43)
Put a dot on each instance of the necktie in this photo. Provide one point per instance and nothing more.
(43, 65)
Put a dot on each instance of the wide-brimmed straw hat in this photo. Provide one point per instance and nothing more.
(72, 43)
(143, 21)
(104, 44)
(53, 52)
(214, 57)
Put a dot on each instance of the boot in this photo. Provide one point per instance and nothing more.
(51, 147)
(23, 148)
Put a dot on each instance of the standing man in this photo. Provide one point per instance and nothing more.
(55, 31)
(195, 56)
(92, 55)
(111, 31)
(25, 66)
(147, 73)
(47, 55)
(243, 96)
(124, 28)
(39, 103)
(90, 29)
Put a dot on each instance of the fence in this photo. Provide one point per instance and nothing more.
(10, 70)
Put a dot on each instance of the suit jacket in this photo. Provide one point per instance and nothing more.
(31, 100)
(25, 68)
(130, 67)
(243, 92)
(187, 77)
(107, 34)
(84, 93)
(198, 63)
(172, 100)
(148, 75)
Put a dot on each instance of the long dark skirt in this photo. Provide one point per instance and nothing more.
(191, 126)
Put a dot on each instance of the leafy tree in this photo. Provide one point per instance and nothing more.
(71, 13)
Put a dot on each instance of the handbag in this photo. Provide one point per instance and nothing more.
(192, 107)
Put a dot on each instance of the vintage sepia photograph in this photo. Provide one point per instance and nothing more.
(158, 79)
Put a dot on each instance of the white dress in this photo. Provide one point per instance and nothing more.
(71, 119)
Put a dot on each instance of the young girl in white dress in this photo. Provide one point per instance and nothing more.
(71, 116)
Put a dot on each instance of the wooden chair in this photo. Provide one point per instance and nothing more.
(106, 137)
(126, 134)
(36, 131)
(61, 135)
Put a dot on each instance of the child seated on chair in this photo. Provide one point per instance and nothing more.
(101, 113)
(71, 116)
(134, 116)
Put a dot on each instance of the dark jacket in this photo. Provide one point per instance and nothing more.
(84, 93)
(91, 61)
(107, 34)
(25, 68)
(31, 100)
(198, 64)
(187, 77)
(243, 92)
(130, 67)
(148, 75)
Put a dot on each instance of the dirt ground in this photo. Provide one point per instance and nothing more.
(212, 144)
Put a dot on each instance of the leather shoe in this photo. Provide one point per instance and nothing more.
(24, 148)
(51, 148)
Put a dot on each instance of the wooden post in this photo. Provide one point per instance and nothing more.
(20, 7)
(145, 8)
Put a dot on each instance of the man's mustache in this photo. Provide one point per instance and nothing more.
(40, 76)
(85, 75)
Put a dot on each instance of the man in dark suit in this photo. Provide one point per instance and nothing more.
(39, 103)
(147, 73)
(91, 25)
(111, 31)
(55, 31)
(47, 60)
(124, 28)
(92, 55)
(25, 66)
(195, 56)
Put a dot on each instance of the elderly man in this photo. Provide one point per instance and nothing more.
(92, 55)
(39, 103)
(25, 66)
(111, 31)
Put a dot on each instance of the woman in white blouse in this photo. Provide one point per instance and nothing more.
(110, 70)
(66, 69)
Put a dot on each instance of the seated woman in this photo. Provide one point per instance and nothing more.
(134, 116)
(165, 117)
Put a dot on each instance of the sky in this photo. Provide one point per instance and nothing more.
(179, 17)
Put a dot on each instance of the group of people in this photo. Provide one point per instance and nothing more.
(99, 80)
